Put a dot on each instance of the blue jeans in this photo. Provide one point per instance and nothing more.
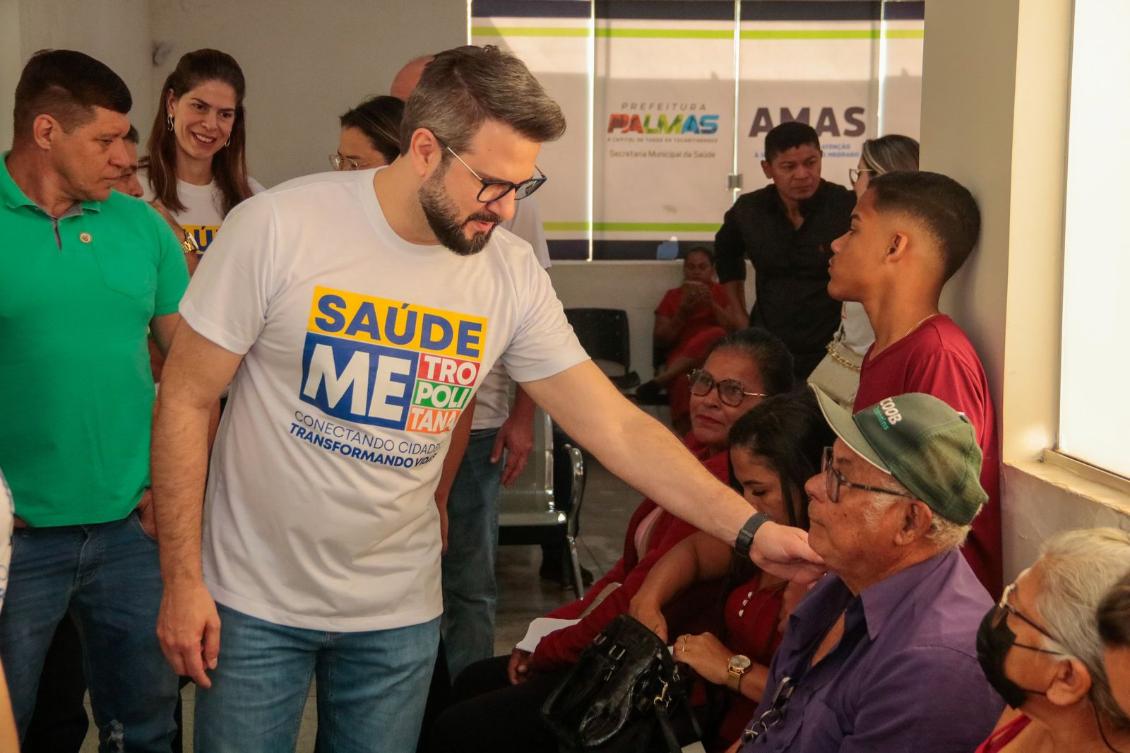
(106, 578)
(469, 588)
(371, 687)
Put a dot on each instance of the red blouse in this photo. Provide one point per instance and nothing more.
(700, 318)
(1004, 735)
(751, 616)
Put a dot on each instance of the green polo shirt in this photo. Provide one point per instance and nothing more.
(76, 393)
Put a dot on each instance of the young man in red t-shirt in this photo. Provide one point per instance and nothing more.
(910, 232)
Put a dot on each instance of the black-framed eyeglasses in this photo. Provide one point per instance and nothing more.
(730, 391)
(855, 172)
(493, 190)
(1004, 608)
(774, 715)
(833, 480)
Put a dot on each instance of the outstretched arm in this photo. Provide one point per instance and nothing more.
(642, 452)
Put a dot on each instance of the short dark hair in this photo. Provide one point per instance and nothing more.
(67, 85)
(465, 86)
(700, 250)
(132, 136)
(1114, 614)
(774, 361)
(944, 206)
(790, 434)
(789, 136)
(379, 119)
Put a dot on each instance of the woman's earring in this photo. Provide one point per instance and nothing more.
(227, 143)
(169, 121)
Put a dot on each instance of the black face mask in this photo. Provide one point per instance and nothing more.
(994, 640)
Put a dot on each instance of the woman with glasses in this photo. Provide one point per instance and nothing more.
(774, 449)
(1041, 649)
(688, 321)
(498, 699)
(197, 168)
(838, 373)
(370, 135)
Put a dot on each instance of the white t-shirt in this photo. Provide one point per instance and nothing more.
(360, 352)
(203, 206)
(492, 406)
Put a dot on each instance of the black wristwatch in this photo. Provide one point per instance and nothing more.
(744, 540)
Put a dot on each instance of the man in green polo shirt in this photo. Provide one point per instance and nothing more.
(85, 274)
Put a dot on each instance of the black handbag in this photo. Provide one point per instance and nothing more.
(624, 688)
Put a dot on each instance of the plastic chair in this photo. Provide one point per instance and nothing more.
(544, 505)
(604, 335)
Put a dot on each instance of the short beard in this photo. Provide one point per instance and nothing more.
(440, 213)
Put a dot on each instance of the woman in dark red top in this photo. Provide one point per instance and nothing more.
(688, 321)
(774, 449)
(498, 699)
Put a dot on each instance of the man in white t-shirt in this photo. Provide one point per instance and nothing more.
(470, 589)
(354, 315)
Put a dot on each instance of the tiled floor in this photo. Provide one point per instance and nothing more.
(608, 503)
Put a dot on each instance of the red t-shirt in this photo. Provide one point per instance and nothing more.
(563, 647)
(700, 318)
(938, 359)
(751, 617)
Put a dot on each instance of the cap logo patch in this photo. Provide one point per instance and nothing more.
(889, 413)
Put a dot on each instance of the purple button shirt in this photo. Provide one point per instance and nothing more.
(904, 677)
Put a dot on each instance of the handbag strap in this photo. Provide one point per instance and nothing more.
(668, 732)
(663, 716)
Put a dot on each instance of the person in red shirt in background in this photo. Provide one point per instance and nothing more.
(910, 232)
(688, 321)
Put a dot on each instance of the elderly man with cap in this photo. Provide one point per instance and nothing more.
(881, 655)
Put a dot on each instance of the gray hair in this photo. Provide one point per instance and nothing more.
(943, 534)
(891, 153)
(1078, 569)
(465, 86)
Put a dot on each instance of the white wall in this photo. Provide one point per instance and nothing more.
(994, 116)
(305, 63)
(113, 31)
(10, 64)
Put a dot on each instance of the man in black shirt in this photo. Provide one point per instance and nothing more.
(786, 230)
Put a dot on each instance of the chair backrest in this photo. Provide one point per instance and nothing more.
(576, 461)
(603, 334)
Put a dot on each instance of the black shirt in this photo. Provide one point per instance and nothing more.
(791, 264)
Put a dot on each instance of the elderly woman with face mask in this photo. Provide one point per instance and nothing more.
(1041, 650)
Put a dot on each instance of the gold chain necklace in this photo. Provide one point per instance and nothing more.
(918, 324)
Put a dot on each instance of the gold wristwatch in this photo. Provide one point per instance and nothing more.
(738, 666)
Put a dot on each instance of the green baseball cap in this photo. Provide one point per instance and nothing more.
(924, 443)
